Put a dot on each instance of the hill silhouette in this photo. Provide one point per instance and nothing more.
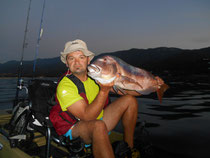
(160, 60)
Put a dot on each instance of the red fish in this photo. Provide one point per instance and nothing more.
(109, 68)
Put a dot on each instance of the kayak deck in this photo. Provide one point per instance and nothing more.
(39, 142)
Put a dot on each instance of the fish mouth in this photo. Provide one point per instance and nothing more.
(94, 69)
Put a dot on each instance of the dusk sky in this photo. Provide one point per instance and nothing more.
(106, 26)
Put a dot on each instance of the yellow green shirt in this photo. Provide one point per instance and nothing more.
(67, 93)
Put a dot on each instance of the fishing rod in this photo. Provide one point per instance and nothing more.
(20, 67)
(38, 40)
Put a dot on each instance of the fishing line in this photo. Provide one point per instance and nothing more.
(38, 40)
(20, 67)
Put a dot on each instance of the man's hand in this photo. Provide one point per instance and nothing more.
(106, 87)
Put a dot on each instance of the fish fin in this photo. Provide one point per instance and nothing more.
(129, 82)
(122, 91)
(161, 90)
(145, 92)
(117, 89)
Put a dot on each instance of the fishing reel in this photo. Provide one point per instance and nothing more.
(21, 85)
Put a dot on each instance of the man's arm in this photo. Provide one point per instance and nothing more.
(84, 111)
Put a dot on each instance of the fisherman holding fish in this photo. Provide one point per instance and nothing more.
(95, 121)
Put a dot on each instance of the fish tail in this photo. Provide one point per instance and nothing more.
(161, 90)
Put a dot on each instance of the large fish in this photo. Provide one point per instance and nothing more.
(109, 68)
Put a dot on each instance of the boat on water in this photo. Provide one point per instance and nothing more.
(37, 147)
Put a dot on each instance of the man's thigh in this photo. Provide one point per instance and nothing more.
(84, 130)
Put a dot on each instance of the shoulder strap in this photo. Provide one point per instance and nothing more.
(78, 83)
(80, 86)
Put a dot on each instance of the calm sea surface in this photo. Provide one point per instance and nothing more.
(179, 127)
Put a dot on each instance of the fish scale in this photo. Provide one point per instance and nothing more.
(125, 76)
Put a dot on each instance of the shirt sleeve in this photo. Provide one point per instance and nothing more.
(67, 93)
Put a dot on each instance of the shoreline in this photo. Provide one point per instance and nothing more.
(5, 111)
(10, 77)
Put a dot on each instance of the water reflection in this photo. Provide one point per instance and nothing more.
(179, 127)
(192, 101)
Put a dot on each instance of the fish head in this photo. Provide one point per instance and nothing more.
(103, 69)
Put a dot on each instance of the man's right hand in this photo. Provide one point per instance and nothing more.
(106, 87)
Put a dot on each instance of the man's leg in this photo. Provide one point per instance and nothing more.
(95, 132)
(125, 108)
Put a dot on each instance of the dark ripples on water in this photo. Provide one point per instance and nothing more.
(7, 92)
(179, 127)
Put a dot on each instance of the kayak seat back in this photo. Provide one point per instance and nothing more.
(41, 95)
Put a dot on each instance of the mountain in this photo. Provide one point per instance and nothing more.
(168, 59)
(44, 67)
(160, 60)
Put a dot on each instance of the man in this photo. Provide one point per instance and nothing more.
(95, 122)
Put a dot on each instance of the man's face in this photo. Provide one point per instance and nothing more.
(77, 62)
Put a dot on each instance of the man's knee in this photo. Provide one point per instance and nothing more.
(131, 99)
(100, 126)
(131, 103)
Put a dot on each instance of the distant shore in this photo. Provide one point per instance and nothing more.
(5, 77)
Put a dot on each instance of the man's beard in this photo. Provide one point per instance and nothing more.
(80, 72)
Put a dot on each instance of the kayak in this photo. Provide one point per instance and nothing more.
(37, 148)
